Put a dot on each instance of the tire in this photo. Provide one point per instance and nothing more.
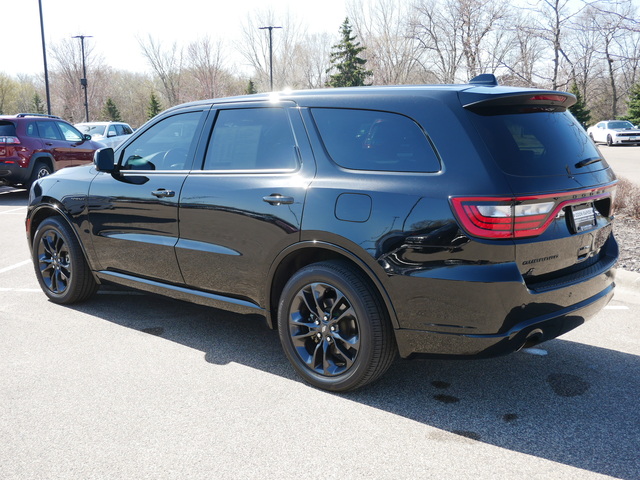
(60, 265)
(39, 170)
(333, 327)
(609, 141)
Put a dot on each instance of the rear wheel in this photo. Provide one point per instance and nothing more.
(59, 262)
(333, 327)
(39, 170)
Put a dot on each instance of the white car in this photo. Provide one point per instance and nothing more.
(111, 134)
(614, 132)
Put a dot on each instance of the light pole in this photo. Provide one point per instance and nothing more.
(270, 53)
(44, 56)
(83, 80)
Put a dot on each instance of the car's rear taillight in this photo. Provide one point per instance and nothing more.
(518, 217)
(9, 140)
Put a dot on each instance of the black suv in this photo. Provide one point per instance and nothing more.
(34, 145)
(467, 220)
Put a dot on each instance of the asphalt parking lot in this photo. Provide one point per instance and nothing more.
(134, 386)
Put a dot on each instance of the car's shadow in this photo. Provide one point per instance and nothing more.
(578, 405)
(13, 197)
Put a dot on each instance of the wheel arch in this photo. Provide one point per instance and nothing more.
(302, 254)
(42, 158)
(50, 208)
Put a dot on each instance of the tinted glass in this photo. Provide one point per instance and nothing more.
(371, 140)
(537, 144)
(7, 129)
(49, 131)
(251, 139)
(165, 145)
(70, 133)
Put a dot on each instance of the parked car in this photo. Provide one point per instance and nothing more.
(34, 145)
(456, 221)
(111, 134)
(614, 132)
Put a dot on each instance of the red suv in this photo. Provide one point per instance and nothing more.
(34, 145)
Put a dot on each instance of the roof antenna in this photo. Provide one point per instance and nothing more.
(488, 79)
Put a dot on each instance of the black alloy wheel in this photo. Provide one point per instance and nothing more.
(333, 327)
(59, 262)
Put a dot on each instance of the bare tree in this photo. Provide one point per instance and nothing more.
(462, 38)
(67, 96)
(254, 47)
(384, 26)
(205, 60)
(167, 63)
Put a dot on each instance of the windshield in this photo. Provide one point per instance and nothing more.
(91, 129)
(614, 125)
(538, 144)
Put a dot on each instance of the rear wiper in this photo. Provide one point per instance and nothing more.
(588, 161)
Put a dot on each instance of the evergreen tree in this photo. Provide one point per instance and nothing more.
(633, 113)
(251, 88)
(154, 106)
(36, 104)
(111, 112)
(344, 58)
(579, 109)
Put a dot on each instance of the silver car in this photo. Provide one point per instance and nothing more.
(111, 134)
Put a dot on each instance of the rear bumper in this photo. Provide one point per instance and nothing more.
(11, 174)
(529, 332)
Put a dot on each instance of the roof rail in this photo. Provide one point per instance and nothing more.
(488, 79)
(21, 115)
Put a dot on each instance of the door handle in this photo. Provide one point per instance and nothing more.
(162, 193)
(277, 199)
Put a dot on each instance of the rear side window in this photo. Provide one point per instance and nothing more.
(252, 139)
(538, 144)
(373, 140)
(7, 129)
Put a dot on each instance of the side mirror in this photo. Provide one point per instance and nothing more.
(111, 134)
(104, 160)
(86, 137)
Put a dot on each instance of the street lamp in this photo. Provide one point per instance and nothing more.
(44, 56)
(83, 81)
(270, 53)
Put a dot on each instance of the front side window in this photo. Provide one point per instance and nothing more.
(70, 133)
(165, 145)
(376, 141)
(251, 139)
(49, 131)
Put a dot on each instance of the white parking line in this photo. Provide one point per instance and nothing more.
(616, 307)
(14, 211)
(28, 290)
(12, 267)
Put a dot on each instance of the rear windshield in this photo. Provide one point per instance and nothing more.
(7, 129)
(538, 144)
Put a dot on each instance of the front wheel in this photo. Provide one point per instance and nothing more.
(333, 327)
(609, 141)
(60, 266)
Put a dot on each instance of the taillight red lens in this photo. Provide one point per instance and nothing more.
(517, 217)
(10, 140)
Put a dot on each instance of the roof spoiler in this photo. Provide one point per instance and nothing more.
(487, 79)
